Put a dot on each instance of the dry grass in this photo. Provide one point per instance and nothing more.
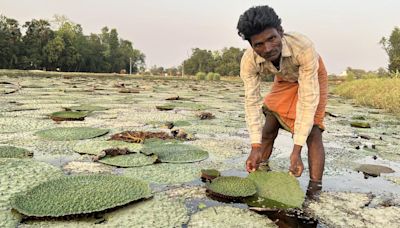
(378, 92)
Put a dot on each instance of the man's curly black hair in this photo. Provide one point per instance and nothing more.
(257, 19)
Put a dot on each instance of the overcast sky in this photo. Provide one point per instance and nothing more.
(345, 32)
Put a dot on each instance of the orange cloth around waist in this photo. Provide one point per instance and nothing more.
(282, 99)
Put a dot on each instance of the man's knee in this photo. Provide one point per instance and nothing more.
(315, 135)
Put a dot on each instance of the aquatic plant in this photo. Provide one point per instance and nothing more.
(80, 195)
(68, 116)
(129, 160)
(176, 152)
(14, 152)
(275, 190)
(95, 147)
(232, 187)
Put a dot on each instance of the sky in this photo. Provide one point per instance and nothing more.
(346, 33)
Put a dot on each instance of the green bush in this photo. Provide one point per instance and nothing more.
(201, 76)
(216, 77)
(210, 76)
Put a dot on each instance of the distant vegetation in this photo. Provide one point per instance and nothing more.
(64, 49)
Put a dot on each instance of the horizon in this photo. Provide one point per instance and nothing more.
(346, 34)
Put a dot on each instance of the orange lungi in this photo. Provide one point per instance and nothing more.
(282, 100)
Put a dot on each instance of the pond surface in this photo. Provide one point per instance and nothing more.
(179, 193)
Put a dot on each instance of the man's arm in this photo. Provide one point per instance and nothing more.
(308, 95)
(252, 82)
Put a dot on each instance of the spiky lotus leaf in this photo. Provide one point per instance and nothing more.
(71, 133)
(67, 115)
(18, 175)
(176, 152)
(95, 147)
(164, 173)
(129, 160)
(80, 195)
(90, 108)
(278, 187)
(226, 216)
(14, 152)
(374, 170)
(232, 186)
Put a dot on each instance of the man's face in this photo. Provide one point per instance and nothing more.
(267, 44)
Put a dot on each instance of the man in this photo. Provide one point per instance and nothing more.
(298, 96)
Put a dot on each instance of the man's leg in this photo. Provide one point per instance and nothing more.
(269, 133)
(316, 154)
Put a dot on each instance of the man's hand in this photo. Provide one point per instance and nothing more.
(296, 165)
(254, 159)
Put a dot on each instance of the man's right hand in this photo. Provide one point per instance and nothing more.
(254, 159)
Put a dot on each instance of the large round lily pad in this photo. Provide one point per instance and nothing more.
(80, 195)
(68, 116)
(14, 152)
(374, 170)
(275, 190)
(232, 187)
(129, 160)
(71, 133)
(176, 152)
(95, 147)
(86, 108)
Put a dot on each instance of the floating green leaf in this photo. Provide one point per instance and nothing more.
(232, 187)
(276, 190)
(14, 152)
(67, 115)
(80, 195)
(129, 160)
(360, 124)
(165, 107)
(71, 133)
(176, 153)
(86, 108)
(95, 147)
(374, 170)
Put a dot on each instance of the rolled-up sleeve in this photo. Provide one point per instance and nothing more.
(253, 101)
(308, 95)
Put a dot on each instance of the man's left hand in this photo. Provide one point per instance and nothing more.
(296, 164)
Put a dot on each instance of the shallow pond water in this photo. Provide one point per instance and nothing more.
(225, 138)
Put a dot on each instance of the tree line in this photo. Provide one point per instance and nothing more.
(65, 48)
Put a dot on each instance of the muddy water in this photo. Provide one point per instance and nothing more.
(225, 137)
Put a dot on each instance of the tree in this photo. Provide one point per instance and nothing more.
(10, 42)
(392, 47)
(228, 62)
(38, 34)
(200, 60)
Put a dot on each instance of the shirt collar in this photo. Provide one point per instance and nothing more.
(285, 52)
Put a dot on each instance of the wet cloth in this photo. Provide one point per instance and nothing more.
(282, 100)
(299, 64)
